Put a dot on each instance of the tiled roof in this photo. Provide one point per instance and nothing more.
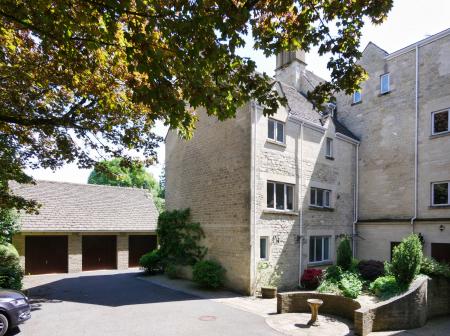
(87, 207)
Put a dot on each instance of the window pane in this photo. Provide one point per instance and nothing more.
(289, 197)
(318, 249)
(280, 132)
(311, 248)
(280, 196)
(271, 130)
(440, 122)
(263, 248)
(440, 193)
(270, 192)
(313, 196)
(384, 83)
(329, 151)
(357, 96)
(326, 248)
(327, 198)
(319, 197)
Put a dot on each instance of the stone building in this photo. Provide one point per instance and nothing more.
(284, 189)
(401, 116)
(82, 227)
(278, 189)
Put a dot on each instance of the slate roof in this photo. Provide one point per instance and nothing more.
(86, 207)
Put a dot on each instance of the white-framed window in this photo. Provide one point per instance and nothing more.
(275, 130)
(357, 97)
(329, 148)
(264, 248)
(280, 196)
(320, 197)
(385, 85)
(440, 122)
(319, 248)
(440, 193)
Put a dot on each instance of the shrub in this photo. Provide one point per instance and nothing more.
(344, 254)
(11, 274)
(333, 273)
(268, 275)
(329, 286)
(406, 259)
(371, 269)
(171, 271)
(209, 274)
(311, 278)
(350, 285)
(386, 287)
(151, 262)
(433, 268)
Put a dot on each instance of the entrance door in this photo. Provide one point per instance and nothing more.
(99, 252)
(440, 252)
(46, 254)
(138, 245)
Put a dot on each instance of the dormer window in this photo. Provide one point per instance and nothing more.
(275, 130)
(357, 97)
(385, 85)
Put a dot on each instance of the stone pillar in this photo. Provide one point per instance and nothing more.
(122, 251)
(18, 241)
(75, 253)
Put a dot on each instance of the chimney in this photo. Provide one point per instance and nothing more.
(290, 68)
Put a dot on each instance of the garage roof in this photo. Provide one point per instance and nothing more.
(87, 207)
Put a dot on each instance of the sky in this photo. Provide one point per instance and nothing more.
(408, 22)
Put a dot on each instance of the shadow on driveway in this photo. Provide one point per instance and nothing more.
(113, 290)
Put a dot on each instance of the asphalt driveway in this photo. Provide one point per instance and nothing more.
(119, 303)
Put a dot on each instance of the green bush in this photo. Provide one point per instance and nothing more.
(209, 274)
(386, 287)
(407, 259)
(329, 286)
(344, 254)
(350, 285)
(434, 268)
(171, 271)
(11, 274)
(151, 262)
(333, 273)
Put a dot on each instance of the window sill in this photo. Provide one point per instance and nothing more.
(329, 157)
(443, 206)
(384, 93)
(357, 103)
(438, 135)
(318, 208)
(320, 263)
(273, 142)
(280, 212)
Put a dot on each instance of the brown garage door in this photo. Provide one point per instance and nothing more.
(45, 254)
(138, 245)
(440, 252)
(99, 252)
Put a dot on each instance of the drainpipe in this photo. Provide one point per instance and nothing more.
(356, 203)
(300, 214)
(253, 179)
(416, 145)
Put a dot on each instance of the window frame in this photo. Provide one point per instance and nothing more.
(448, 194)
(315, 204)
(266, 244)
(432, 122)
(323, 260)
(331, 142)
(275, 130)
(285, 193)
(388, 75)
(354, 95)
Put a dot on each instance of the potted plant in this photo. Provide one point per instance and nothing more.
(268, 279)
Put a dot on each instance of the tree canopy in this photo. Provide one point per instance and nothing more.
(117, 172)
(85, 79)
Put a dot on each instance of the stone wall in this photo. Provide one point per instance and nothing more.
(438, 297)
(210, 174)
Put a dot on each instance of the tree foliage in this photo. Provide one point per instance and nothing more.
(82, 79)
(407, 259)
(119, 172)
(344, 254)
(8, 225)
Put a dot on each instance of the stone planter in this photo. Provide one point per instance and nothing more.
(268, 292)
